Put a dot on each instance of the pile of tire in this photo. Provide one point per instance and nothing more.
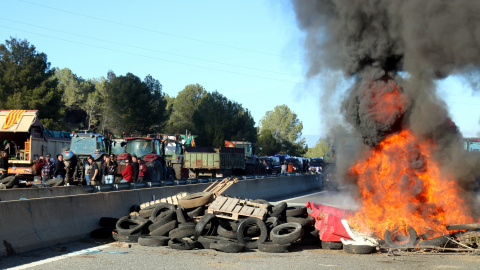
(164, 224)
(159, 224)
(288, 225)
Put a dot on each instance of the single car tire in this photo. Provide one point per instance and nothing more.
(205, 241)
(161, 208)
(332, 245)
(165, 229)
(302, 221)
(153, 241)
(129, 225)
(12, 180)
(412, 241)
(243, 227)
(181, 244)
(358, 249)
(162, 221)
(199, 211)
(225, 230)
(102, 233)
(296, 211)
(262, 201)
(181, 232)
(279, 210)
(201, 227)
(272, 222)
(286, 233)
(146, 213)
(435, 242)
(311, 234)
(227, 246)
(169, 213)
(54, 182)
(119, 238)
(187, 224)
(181, 217)
(125, 238)
(108, 222)
(195, 200)
(271, 247)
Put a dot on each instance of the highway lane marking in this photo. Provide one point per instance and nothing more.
(294, 198)
(57, 258)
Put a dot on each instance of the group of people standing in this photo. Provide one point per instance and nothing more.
(135, 170)
(105, 173)
(49, 168)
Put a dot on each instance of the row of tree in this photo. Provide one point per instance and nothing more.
(125, 103)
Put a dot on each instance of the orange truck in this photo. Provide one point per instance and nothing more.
(24, 139)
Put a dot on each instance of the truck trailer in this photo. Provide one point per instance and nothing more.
(25, 140)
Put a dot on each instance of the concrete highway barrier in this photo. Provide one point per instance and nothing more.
(28, 224)
(30, 193)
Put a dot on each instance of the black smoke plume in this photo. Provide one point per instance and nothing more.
(410, 42)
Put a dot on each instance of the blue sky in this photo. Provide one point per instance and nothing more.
(250, 51)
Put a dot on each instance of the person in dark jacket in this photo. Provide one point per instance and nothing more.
(135, 168)
(47, 169)
(95, 176)
(142, 170)
(59, 168)
(4, 165)
(110, 170)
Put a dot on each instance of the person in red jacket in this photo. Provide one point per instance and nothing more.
(128, 172)
(40, 164)
(142, 170)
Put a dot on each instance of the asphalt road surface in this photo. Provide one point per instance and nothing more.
(91, 254)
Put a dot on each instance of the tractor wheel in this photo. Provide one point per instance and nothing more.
(178, 171)
(249, 169)
(158, 168)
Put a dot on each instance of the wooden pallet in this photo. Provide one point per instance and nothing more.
(218, 187)
(233, 208)
(172, 200)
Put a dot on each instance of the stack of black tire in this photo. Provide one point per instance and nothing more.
(165, 224)
(9, 182)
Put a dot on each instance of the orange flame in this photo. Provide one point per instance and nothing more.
(401, 185)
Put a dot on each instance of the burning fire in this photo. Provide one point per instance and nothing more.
(400, 185)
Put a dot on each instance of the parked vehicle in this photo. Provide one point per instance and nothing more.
(282, 158)
(149, 150)
(471, 144)
(316, 165)
(276, 161)
(213, 161)
(251, 159)
(83, 144)
(270, 168)
(297, 164)
(117, 146)
(173, 151)
(24, 139)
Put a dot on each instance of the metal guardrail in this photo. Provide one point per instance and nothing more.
(140, 185)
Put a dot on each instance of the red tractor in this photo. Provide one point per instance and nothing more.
(149, 150)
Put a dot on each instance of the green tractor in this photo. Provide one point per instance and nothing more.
(174, 146)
